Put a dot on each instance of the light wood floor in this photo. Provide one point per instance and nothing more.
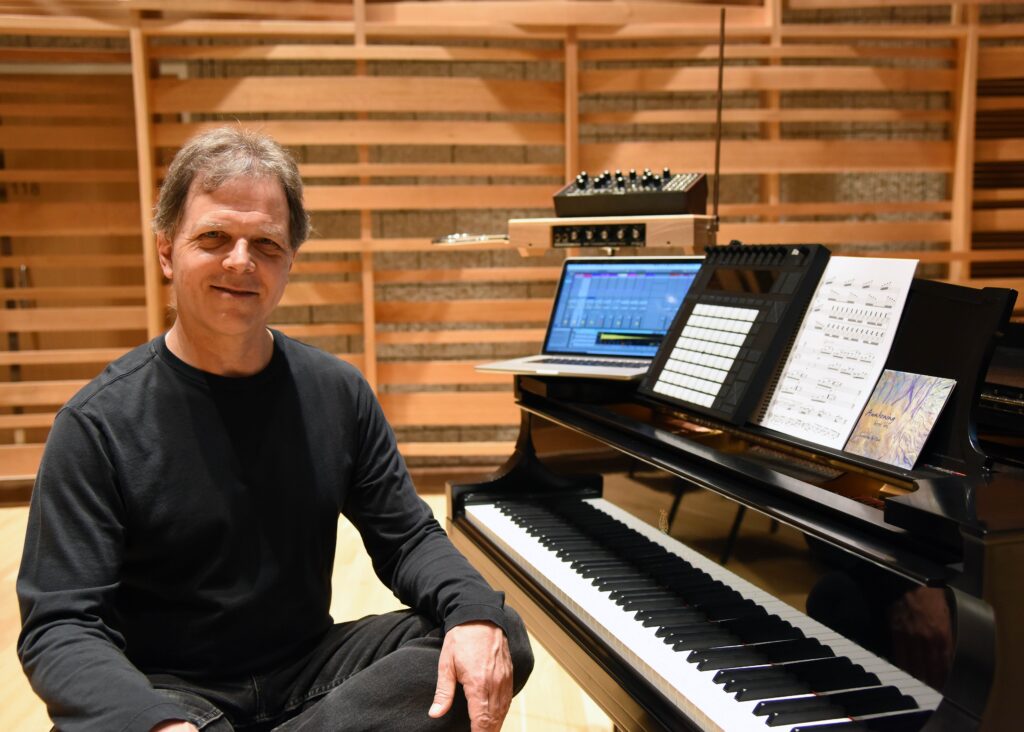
(551, 701)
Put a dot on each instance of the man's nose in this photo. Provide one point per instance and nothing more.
(239, 259)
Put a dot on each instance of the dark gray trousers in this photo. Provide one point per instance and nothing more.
(377, 673)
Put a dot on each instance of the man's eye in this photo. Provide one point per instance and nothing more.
(268, 245)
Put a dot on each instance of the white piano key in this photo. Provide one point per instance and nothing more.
(693, 692)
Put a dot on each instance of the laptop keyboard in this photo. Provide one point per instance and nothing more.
(614, 363)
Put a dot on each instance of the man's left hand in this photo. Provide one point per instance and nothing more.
(475, 655)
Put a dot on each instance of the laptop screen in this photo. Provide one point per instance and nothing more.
(617, 307)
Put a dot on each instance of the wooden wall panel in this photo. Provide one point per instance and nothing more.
(846, 122)
(998, 182)
(70, 261)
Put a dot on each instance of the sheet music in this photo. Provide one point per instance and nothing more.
(840, 349)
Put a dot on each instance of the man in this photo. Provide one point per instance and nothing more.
(178, 558)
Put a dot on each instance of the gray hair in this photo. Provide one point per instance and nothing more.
(215, 157)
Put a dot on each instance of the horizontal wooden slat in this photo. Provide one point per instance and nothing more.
(662, 52)
(835, 233)
(768, 78)
(249, 8)
(60, 356)
(354, 246)
(38, 393)
(847, 4)
(353, 94)
(72, 261)
(64, 55)
(990, 104)
(834, 208)
(432, 170)
(553, 13)
(469, 274)
(26, 421)
(73, 319)
(321, 293)
(68, 87)
(424, 170)
(426, 197)
(436, 372)
(19, 462)
(999, 194)
(786, 156)
(873, 31)
(788, 114)
(459, 448)
(57, 110)
(69, 175)
(450, 408)
(465, 335)
(381, 132)
(305, 265)
(67, 137)
(512, 310)
(1006, 219)
(340, 52)
(319, 330)
(70, 219)
(105, 292)
(1000, 63)
(999, 151)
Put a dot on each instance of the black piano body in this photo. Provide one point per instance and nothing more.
(955, 522)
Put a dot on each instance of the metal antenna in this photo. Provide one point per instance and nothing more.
(713, 224)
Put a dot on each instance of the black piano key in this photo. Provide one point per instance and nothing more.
(621, 596)
(626, 583)
(759, 653)
(704, 641)
(636, 601)
(668, 622)
(746, 630)
(688, 583)
(592, 571)
(820, 675)
(833, 706)
(727, 610)
(694, 622)
(710, 596)
(670, 618)
(762, 629)
(571, 548)
(770, 689)
(905, 722)
(663, 603)
(595, 569)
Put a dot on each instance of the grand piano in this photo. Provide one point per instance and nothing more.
(664, 638)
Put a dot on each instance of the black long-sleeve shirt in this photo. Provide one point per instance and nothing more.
(185, 523)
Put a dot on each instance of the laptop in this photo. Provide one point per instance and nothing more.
(609, 317)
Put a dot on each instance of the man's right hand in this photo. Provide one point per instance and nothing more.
(175, 726)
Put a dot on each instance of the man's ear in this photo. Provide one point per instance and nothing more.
(163, 250)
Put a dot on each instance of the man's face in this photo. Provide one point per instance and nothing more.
(229, 261)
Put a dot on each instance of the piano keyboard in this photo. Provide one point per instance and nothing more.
(729, 655)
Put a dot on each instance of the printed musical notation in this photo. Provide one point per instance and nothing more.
(840, 349)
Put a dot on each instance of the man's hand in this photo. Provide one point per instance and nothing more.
(475, 655)
(175, 726)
